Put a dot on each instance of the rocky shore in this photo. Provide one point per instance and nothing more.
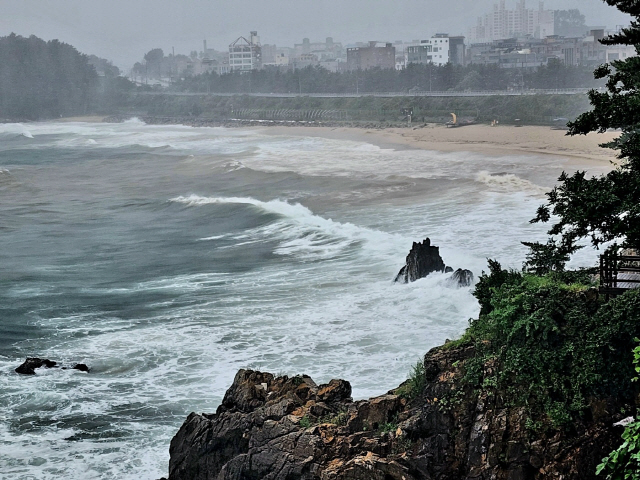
(282, 428)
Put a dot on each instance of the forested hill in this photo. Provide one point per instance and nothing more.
(40, 80)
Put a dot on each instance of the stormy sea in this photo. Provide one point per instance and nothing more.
(168, 257)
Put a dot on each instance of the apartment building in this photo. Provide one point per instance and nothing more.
(245, 55)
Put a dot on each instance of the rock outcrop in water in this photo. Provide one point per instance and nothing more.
(461, 278)
(290, 428)
(422, 260)
(29, 366)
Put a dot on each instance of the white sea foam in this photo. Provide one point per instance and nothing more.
(303, 232)
(509, 182)
(16, 129)
(134, 121)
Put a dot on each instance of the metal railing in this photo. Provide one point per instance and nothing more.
(619, 273)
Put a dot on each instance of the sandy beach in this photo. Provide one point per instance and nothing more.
(501, 140)
(85, 119)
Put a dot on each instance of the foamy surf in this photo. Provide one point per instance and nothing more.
(510, 182)
(303, 231)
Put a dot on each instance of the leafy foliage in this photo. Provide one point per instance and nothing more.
(41, 79)
(416, 77)
(546, 258)
(624, 462)
(416, 383)
(569, 23)
(549, 344)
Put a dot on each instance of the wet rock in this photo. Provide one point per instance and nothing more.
(422, 260)
(461, 278)
(282, 428)
(334, 391)
(30, 364)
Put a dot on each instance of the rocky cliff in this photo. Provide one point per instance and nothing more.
(429, 428)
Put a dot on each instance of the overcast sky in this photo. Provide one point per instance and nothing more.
(124, 30)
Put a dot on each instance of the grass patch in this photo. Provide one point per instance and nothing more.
(340, 418)
(305, 422)
(416, 383)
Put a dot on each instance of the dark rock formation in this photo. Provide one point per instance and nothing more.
(290, 428)
(30, 364)
(461, 278)
(422, 260)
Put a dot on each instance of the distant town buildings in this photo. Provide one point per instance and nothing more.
(503, 23)
(521, 38)
(371, 56)
(533, 53)
(439, 50)
(245, 55)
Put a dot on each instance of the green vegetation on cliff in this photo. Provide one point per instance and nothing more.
(548, 343)
(544, 340)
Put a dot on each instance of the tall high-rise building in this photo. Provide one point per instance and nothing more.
(503, 23)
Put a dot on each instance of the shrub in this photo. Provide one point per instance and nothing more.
(624, 462)
(553, 345)
(414, 386)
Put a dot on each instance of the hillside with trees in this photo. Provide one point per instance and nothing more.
(40, 80)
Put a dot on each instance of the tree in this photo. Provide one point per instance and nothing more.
(154, 59)
(569, 23)
(41, 79)
(604, 208)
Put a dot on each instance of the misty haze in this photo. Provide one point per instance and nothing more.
(272, 213)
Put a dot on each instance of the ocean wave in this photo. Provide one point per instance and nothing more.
(134, 121)
(509, 181)
(301, 232)
(16, 128)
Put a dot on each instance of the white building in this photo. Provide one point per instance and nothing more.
(620, 52)
(439, 50)
(434, 50)
(245, 55)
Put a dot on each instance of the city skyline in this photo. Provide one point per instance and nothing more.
(123, 31)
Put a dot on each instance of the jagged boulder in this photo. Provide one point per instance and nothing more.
(281, 428)
(422, 260)
(461, 278)
(29, 366)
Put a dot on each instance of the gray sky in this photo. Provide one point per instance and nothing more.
(124, 30)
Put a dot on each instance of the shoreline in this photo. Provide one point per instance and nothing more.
(483, 139)
(502, 140)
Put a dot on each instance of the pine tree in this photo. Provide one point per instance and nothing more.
(604, 208)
